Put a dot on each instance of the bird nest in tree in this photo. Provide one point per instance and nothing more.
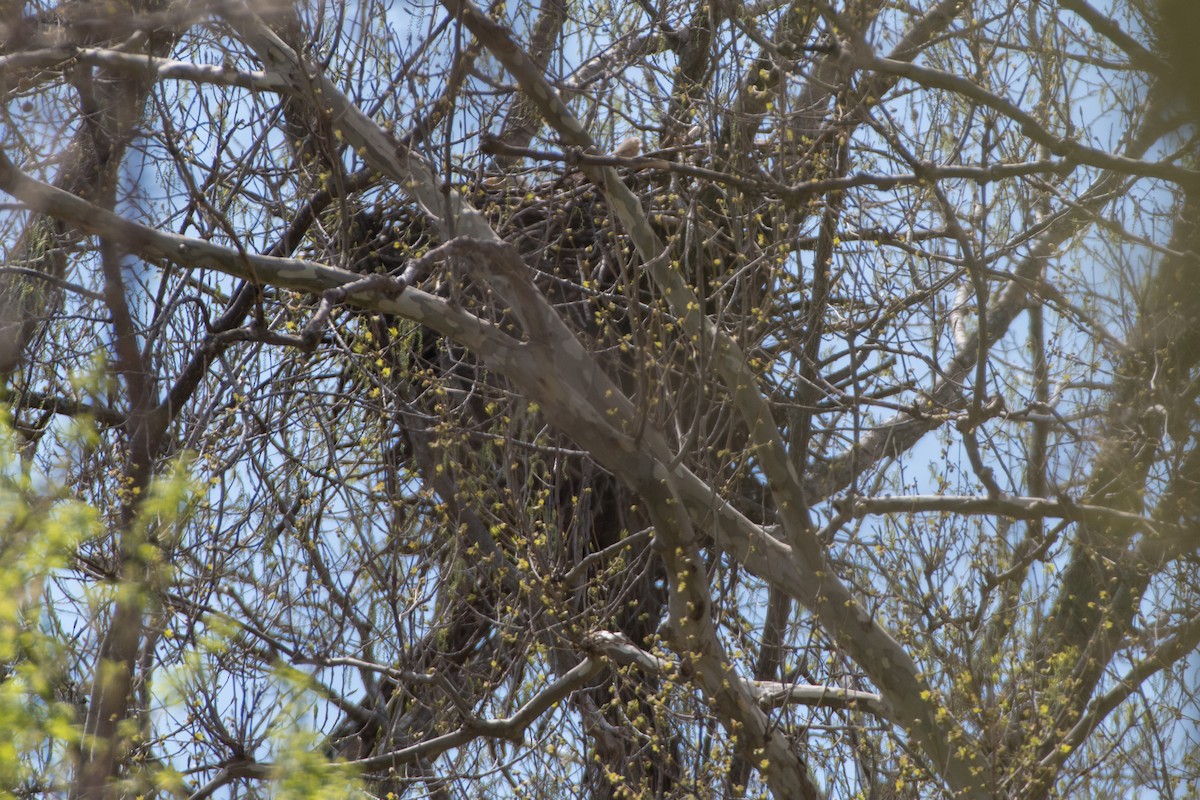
(732, 246)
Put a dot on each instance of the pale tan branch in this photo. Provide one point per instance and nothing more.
(1063, 147)
(770, 694)
(162, 68)
(1014, 507)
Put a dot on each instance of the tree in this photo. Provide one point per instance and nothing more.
(378, 425)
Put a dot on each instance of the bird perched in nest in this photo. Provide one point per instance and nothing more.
(628, 148)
